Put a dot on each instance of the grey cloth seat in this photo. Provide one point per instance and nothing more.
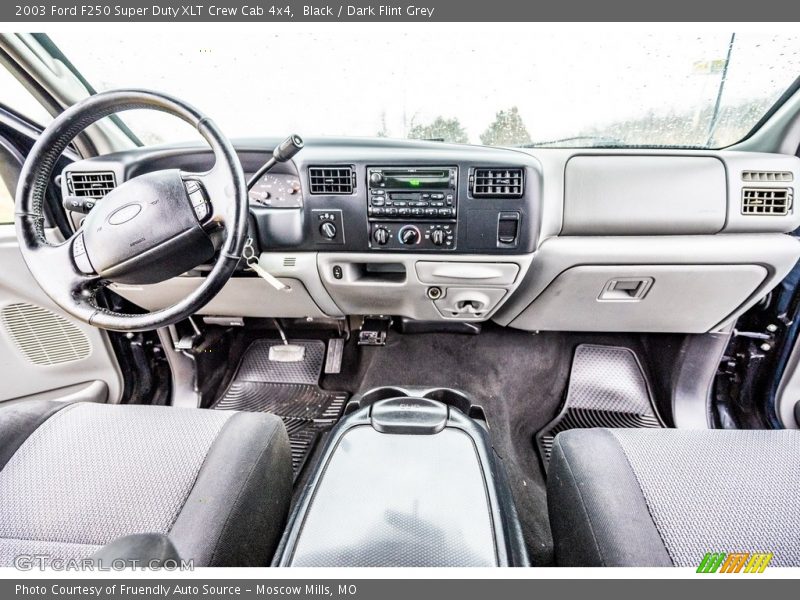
(75, 477)
(636, 497)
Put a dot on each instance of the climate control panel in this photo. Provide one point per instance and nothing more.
(413, 235)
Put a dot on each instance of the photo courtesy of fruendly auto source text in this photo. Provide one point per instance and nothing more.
(430, 299)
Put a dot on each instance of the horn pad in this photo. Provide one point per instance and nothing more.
(146, 231)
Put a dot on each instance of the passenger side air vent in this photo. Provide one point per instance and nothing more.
(766, 201)
(90, 184)
(767, 176)
(496, 183)
(331, 180)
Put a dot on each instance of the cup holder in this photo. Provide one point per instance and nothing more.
(447, 396)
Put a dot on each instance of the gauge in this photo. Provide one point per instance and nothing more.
(277, 190)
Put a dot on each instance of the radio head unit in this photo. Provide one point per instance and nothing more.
(412, 179)
(418, 192)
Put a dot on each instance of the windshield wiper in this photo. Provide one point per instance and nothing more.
(595, 141)
(606, 142)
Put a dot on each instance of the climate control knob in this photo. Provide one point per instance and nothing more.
(328, 230)
(381, 236)
(437, 236)
(409, 235)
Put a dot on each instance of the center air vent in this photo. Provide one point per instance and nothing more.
(92, 184)
(766, 201)
(331, 180)
(497, 183)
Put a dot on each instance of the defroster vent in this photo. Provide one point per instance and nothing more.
(497, 183)
(767, 176)
(331, 180)
(94, 184)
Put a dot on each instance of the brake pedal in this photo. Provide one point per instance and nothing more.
(287, 353)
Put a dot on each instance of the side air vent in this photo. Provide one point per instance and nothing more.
(767, 176)
(497, 183)
(43, 337)
(766, 201)
(90, 184)
(289, 261)
(331, 180)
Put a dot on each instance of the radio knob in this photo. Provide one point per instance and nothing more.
(376, 177)
(328, 230)
(437, 237)
(409, 235)
(381, 236)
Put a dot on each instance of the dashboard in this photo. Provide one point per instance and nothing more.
(537, 239)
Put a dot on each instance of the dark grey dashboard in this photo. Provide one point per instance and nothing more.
(288, 214)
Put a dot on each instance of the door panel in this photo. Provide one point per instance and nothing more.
(42, 350)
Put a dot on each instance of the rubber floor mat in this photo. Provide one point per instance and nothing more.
(288, 390)
(607, 388)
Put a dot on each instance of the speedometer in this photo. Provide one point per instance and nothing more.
(277, 190)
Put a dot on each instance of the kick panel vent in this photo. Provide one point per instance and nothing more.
(43, 337)
(497, 183)
(331, 180)
(767, 176)
(91, 184)
(766, 201)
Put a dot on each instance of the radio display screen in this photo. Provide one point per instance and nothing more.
(412, 180)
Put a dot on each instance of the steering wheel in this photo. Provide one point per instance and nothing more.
(148, 229)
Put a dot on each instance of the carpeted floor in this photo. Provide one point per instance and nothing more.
(519, 378)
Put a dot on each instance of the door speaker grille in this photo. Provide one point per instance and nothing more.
(42, 336)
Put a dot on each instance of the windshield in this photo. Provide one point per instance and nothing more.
(494, 85)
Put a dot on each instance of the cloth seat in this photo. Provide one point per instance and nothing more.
(75, 477)
(663, 497)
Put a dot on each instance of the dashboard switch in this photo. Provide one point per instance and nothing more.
(409, 235)
(328, 230)
(381, 236)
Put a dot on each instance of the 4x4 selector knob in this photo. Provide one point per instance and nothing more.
(409, 235)
(437, 236)
(328, 230)
(381, 236)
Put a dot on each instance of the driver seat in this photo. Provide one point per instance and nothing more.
(76, 477)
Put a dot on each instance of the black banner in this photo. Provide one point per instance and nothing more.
(729, 588)
(393, 11)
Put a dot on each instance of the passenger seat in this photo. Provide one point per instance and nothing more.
(664, 497)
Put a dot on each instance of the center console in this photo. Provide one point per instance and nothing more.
(407, 479)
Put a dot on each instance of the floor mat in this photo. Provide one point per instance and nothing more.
(288, 390)
(607, 388)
